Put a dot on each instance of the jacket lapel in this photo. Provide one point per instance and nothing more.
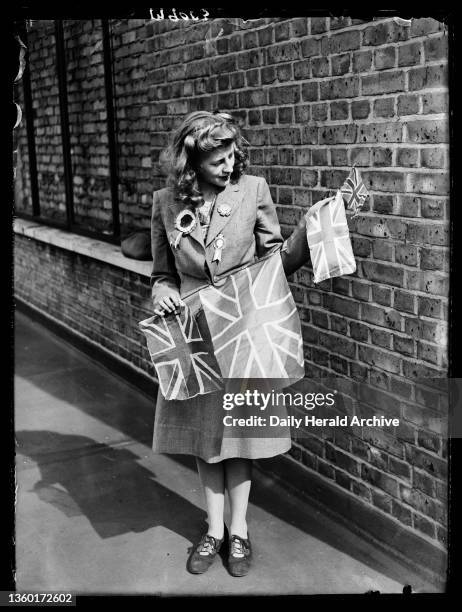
(231, 197)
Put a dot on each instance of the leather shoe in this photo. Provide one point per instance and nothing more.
(240, 556)
(203, 555)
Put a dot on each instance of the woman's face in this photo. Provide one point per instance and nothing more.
(216, 166)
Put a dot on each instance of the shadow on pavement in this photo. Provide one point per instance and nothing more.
(107, 485)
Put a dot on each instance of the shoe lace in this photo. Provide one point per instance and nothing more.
(207, 546)
(237, 547)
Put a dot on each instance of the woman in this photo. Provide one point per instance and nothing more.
(232, 214)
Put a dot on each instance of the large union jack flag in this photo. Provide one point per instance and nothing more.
(184, 363)
(354, 191)
(254, 323)
(329, 239)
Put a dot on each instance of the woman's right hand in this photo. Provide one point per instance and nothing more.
(169, 302)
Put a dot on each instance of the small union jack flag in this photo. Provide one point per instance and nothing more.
(184, 363)
(354, 191)
(329, 239)
(254, 324)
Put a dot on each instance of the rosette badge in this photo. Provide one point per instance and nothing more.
(184, 224)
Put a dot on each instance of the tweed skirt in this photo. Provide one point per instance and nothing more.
(196, 427)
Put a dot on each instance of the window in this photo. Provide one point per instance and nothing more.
(67, 153)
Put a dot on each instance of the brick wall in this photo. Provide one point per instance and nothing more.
(315, 96)
(92, 298)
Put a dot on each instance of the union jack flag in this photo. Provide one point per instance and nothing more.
(354, 191)
(184, 363)
(254, 323)
(329, 239)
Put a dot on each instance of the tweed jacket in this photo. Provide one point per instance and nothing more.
(250, 232)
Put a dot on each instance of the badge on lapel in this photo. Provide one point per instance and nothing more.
(224, 210)
(185, 223)
(219, 244)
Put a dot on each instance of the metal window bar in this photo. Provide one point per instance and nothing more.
(35, 194)
(64, 116)
(111, 126)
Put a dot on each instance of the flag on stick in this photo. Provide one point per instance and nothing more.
(184, 362)
(329, 239)
(254, 323)
(354, 191)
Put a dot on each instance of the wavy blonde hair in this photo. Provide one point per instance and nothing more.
(200, 132)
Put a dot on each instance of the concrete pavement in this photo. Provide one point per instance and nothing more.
(98, 513)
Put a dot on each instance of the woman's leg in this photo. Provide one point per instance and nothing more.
(238, 478)
(212, 477)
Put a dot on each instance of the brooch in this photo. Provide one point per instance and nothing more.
(184, 224)
(224, 210)
(219, 244)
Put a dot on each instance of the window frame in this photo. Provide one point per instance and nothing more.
(69, 224)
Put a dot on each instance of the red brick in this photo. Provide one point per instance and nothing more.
(381, 359)
(400, 512)
(382, 338)
(424, 525)
(384, 107)
(320, 67)
(380, 132)
(282, 31)
(382, 250)
(383, 33)
(344, 41)
(362, 61)
(284, 72)
(343, 87)
(302, 69)
(436, 183)
(427, 131)
(379, 479)
(339, 157)
(360, 109)
(361, 246)
(430, 307)
(410, 54)
(424, 233)
(319, 112)
(433, 208)
(436, 48)
(384, 58)
(428, 77)
(433, 157)
(310, 92)
(383, 82)
(338, 134)
(284, 95)
(318, 25)
(425, 26)
(336, 23)
(250, 59)
(384, 181)
(310, 47)
(381, 157)
(435, 102)
(391, 275)
(407, 157)
(299, 27)
(285, 52)
(434, 259)
(340, 64)
(287, 136)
